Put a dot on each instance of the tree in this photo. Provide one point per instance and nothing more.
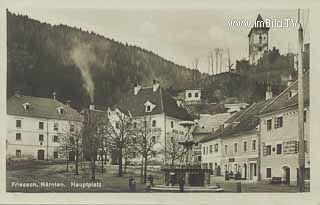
(93, 132)
(118, 131)
(174, 150)
(145, 139)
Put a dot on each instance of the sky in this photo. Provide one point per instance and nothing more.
(180, 36)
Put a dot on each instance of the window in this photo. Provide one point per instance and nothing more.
(278, 122)
(254, 144)
(27, 107)
(117, 125)
(199, 158)
(71, 128)
(135, 125)
(18, 123)
(154, 123)
(18, 136)
(196, 95)
(41, 125)
(226, 149)
(133, 155)
(55, 138)
(216, 147)
(210, 166)
(268, 173)
(235, 147)
(204, 150)
(268, 150)
(172, 139)
(18, 153)
(189, 95)
(244, 146)
(55, 126)
(279, 148)
(61, 111)
(148, 108)
(153, 139)
(269, 124)
(305, 116)
(260, 48)
(172, 124)
(211, 149)
(260, 39)
(55, 155)
(40, 138)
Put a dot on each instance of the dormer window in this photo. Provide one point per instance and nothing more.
(60, 110)
(292, 93)
(26, 106)
(149, 106)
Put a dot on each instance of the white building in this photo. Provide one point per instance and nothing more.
(234, 146)
(36, 125)
(190, 96)
(279, 135)
(162, 114)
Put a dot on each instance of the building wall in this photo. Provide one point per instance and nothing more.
(289, 132)
(193, 96)
(237, 161)
(257, 47)
(209, 156)
(163, 129)
(30, 143)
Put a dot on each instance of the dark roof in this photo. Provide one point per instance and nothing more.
(258, 24)
(40, 107)
(283, 100)
(163, 101)
(243, 121)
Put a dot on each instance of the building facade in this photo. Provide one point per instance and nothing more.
(233, 148)
(36, 126)
(159, 114)
(279, 135)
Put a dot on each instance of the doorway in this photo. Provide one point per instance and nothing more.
(40, 154)
(286, 175)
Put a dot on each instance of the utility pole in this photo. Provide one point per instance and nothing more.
(300, 110)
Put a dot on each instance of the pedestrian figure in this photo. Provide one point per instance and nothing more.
(148, 186)
(133, 185)
(130, 184)
(181, 184)
(150, 178)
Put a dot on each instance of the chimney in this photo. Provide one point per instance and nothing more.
(91, 107)
(68, 103)
(17, 93)
(155, 85)
(136, 88)
(268, 92)
(54, 95)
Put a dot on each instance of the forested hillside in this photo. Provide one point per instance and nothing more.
(79, 65)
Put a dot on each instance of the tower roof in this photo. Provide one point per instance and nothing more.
(258, 24)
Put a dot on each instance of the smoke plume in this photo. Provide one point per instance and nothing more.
(83, 57)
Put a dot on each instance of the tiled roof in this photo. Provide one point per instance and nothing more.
(164, 103)
(283, 100)
(244, 121)
(40, 107)
(208, 122)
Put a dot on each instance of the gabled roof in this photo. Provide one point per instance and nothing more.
(40, 107)
(163, 101)
(283, 100)
(259, 24)
(243, 121)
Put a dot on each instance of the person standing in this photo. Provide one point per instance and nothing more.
(181, 184)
